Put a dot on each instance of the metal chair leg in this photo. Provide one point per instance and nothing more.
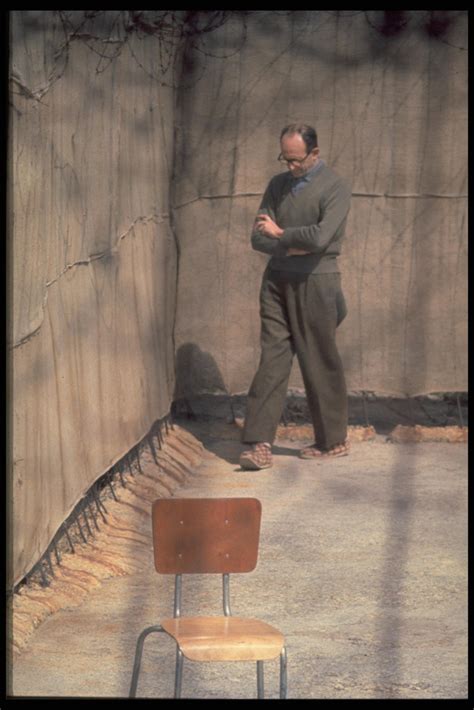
(138, 657)
(260, 688)
(178, 679)
(283, 674)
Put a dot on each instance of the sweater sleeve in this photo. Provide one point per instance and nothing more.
(315, 238)
(260, 242)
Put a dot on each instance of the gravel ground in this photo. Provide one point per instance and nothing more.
(363, 567)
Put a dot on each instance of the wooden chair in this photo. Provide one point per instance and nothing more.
(211, 536)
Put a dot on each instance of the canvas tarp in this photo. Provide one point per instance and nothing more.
(390, 112)
(131, 203)
(93, 263)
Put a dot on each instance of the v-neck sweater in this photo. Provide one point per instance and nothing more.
(313, 219)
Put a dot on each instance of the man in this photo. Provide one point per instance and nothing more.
(301, 225)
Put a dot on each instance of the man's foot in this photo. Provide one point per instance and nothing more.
(312, 452)
(258, 457)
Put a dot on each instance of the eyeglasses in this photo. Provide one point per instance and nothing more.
(292, 161)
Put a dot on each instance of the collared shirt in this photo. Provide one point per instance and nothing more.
(299, 183)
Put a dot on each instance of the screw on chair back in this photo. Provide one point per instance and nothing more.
(206, 535)
(211, 536)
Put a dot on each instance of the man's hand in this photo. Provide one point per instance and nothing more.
(265, 225)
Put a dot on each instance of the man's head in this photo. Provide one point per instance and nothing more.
(299, 148)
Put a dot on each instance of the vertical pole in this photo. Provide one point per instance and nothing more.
(178, 680)
(226, 594)
(260, 688)
(177, 596)
(283, 675)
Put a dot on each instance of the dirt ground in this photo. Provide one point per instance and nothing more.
(363, 567)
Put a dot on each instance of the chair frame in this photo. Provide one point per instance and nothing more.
(180, 656)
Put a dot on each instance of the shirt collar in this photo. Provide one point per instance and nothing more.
(311, 173)
(299, 183)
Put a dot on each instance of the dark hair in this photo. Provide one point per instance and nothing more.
(307, 133)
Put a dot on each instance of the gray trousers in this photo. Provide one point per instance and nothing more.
(299, 315)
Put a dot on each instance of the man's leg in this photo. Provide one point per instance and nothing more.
(267, 393)
(313, 307)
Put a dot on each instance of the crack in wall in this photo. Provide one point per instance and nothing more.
(217, 197)
(143, 219)
(388, 195)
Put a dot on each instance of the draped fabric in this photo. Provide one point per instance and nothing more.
(131, 199)
(390, 109)
(93, 263)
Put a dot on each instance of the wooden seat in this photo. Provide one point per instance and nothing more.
(211, 536)
(225, 638)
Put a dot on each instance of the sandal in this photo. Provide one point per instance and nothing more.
(312, 452)
(259, 456)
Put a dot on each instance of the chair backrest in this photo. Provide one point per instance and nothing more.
(205, 535)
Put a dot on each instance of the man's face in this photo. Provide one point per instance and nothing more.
(294, 148)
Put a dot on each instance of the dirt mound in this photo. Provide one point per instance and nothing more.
(122, 546)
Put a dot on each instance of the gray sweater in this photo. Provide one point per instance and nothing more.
(313, 219)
